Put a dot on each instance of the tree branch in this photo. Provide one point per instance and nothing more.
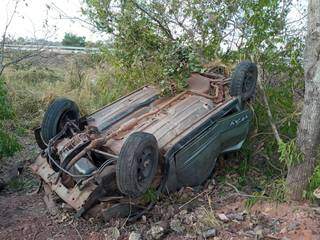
(164, 28)
(19, 59)
(266, 102)
(4, 36)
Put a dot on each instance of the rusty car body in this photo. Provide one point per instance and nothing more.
(111, 157)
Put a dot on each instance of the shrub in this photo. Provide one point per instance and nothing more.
(73, 40)
(8, 142)
(314, 183)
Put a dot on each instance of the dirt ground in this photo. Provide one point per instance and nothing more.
(215, 211)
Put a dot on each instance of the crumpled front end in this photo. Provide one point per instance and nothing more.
(75, 196)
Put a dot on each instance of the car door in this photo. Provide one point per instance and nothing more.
(196, 160)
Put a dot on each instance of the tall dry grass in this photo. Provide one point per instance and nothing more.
(90, 85)
(31, 90)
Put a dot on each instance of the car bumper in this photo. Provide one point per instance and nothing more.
(75, 196)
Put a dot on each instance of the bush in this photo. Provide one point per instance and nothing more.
(8, 142)
(314, 183)
(73, 40)
(5, 109)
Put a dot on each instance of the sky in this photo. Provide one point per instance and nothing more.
(32, 14)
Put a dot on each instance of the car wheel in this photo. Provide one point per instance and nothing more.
(244, 80)
(137, 164)
(58, 113)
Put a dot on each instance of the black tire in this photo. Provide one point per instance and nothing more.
(58, 113)
(244, 80)
(137, 164)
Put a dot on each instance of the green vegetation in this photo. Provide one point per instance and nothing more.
(8, 142)
(163, 41)
(314, 183)
(31, 89)
(73, 40)
(150, 196)
(22, 183)
(289, 153)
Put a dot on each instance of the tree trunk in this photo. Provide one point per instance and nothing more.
(309, 129)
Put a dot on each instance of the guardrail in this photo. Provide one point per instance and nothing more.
(58, 49)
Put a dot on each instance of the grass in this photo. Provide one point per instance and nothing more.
(22, 184)
(150, 196)
(209, 218)
(314, 184)
(31, 90)
(90, 85)
(8, 142)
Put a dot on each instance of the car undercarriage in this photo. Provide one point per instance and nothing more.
(106, 161)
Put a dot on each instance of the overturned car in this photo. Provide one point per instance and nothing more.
(107, 160)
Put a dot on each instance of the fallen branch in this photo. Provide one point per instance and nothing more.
(192, 199)
(244, 194)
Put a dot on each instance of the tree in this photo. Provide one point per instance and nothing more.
(204, 25)
(308, 138)
(73, 40)
(177, 35)
(143, 31)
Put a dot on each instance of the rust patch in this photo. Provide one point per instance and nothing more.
(199, 83)
(212, 85)
(75, 197)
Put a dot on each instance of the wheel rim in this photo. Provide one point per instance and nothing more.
(66, 116)
(145, 161)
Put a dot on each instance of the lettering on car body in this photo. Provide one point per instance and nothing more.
(238, 121)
